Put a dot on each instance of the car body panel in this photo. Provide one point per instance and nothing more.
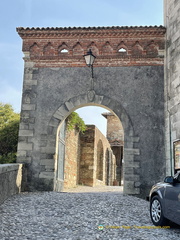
(169, 194)
(172, 202)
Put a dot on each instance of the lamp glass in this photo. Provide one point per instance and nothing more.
(89, 58)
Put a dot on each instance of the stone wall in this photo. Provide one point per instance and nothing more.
(172, 80)
(115, 136)
(94, 160)
(108, 161)
(86, 167)
(86, 159)
(10, 180)
(72, 157)
(115, 132)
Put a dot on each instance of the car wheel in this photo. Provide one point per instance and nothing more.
(156, 212)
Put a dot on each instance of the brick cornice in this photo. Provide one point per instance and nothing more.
(90, 31)
(45, 46)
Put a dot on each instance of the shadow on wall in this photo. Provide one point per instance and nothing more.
(10, 180)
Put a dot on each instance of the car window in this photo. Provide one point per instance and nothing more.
(178, 178)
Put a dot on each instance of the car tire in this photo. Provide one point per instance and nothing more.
(156, 212)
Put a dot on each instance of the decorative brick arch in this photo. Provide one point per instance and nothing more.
(129, 83)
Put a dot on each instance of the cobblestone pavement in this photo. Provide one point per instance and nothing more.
(81, 214)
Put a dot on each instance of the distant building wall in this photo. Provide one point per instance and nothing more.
(172, 83)
(72, 157)
(115, 136)
(86, 161)
(87, 164)
(106, 159)
(115, 130)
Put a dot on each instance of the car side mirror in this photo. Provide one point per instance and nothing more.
(169, 179)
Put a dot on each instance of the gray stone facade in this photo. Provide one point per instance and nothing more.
(172, 80)
(135, 94)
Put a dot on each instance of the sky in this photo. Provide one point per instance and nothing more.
(62, 13)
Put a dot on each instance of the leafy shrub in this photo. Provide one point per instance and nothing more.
(74, 121)
(9, 128)
(8, 158)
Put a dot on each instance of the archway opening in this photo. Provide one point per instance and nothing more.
(93, 157)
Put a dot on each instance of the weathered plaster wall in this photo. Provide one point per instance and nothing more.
(172, 79)
(10, 180)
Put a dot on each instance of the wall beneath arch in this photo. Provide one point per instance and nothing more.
(135, 94)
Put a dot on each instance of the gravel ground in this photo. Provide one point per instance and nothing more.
(82, 213)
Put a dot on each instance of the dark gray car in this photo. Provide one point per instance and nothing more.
(165, 201)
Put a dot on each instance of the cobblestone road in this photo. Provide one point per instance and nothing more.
(81, 214)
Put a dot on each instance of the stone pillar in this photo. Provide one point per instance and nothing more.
(172, 80)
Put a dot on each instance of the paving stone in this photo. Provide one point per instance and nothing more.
(82, 213)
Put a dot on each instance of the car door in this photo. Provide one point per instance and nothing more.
(172, 200)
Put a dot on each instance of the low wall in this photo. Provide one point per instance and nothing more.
(10, 180)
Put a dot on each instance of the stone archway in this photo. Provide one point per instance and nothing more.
(130, 83)
(131, 178)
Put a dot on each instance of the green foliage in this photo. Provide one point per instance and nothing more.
(7, 115)
(9, 127)
(74, 121)
(8, 158)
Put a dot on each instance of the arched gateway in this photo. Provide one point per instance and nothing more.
(128, 79)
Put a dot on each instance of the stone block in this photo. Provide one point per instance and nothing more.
(137, 184)
(23, 146)
(69, 105)
(28, 133)
(21, 154)
(23, 126)
(98, 99)
(132, 151)
(30, 82)
(47, 162)
(48, 175)
(131, 164)
(58, 115)
(28, 107)
(63, 111)
(129, 188)
(48, 149)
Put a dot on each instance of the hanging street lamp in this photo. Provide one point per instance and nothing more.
(89, 58)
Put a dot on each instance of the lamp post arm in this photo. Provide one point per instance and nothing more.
(92, 71)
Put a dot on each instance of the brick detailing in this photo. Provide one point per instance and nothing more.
(65, 47)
